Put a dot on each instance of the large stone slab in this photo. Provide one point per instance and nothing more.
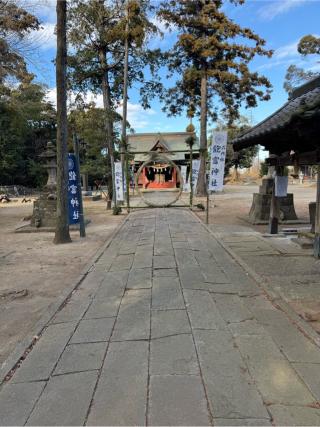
(230, 389)
(275, 378)
(164, 261)
(177, 400)
(72, 311)
(133, 321)
(309, 373)
(294, 415)
(231, 308)
(289, 339)
(17, 402)
(121, 395)
(143, 257)
(122, 262)
(169, 322)
(140, 278)
(65, 400)
(40, 362)
(166, 293)
(173, 355)
(203, 311)
(81, 357)
(185, 257)
(192, 278)
(241, 422)
(113, 285)
(93, 330)
(106, 307)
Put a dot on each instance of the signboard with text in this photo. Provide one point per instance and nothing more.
(195, 173)
(218, 159)
(118, 181)
(73, 190)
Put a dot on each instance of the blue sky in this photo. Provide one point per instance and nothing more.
(281, 23)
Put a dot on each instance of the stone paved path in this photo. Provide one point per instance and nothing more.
(166, 329)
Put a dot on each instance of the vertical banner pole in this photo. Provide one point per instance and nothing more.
(127, 175)
(316, 249)
(81, 215)
(190, 178)
(207, 213)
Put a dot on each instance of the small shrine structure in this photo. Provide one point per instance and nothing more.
(291, 135)
(160, 174)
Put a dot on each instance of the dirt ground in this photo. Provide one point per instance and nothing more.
(34, 271)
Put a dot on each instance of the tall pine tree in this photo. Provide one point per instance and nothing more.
(211, 58)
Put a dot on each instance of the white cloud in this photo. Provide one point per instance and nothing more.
(287, 51)
(278, 7)
(136, 115)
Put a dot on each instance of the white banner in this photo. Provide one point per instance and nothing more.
(195, 173)
(218, 159)
(118, 181)
(186, 185)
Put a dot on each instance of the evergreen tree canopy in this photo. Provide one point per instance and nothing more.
(27, 123)
(211, 58)
(309, 45)
(15, 24)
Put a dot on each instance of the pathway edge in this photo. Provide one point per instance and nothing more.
(21, 347)
(274, 296)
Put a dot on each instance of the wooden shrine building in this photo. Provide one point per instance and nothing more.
(160, 174)
(292, 136)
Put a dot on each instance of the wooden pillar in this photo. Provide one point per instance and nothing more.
(316, 248)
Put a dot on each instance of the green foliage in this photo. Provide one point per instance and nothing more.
(88, 124)
(15, 24)
(263, 169)
(295, 77)
(244, 158)
(309, 45)
(211, 45)
(27, 123)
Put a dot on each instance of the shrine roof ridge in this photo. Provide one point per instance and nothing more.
(303, 103)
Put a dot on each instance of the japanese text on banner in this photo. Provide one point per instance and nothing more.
(186, 185)
(73, 190)
(218, 159)
(118, 181)
(195, 173)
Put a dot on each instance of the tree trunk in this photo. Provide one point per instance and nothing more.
(62, 226)
(125, 104)
(202, 181)
(108, 120)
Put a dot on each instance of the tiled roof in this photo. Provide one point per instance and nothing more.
(171, 140)
(304, 104)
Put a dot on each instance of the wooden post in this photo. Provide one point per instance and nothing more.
(81, 215)
(316, 247)
(190, 178)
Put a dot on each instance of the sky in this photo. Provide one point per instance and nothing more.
(280, 22)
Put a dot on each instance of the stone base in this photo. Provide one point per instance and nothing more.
(29, 228)
(44, 212)
(260, 208)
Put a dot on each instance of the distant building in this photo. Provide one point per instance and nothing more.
(162, 175)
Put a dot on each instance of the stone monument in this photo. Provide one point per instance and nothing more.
(260, 208)
(45, 207)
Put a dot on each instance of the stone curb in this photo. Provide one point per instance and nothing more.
(273, 295)
(52, 309)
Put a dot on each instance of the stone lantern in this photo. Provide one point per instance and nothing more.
(45, 207)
